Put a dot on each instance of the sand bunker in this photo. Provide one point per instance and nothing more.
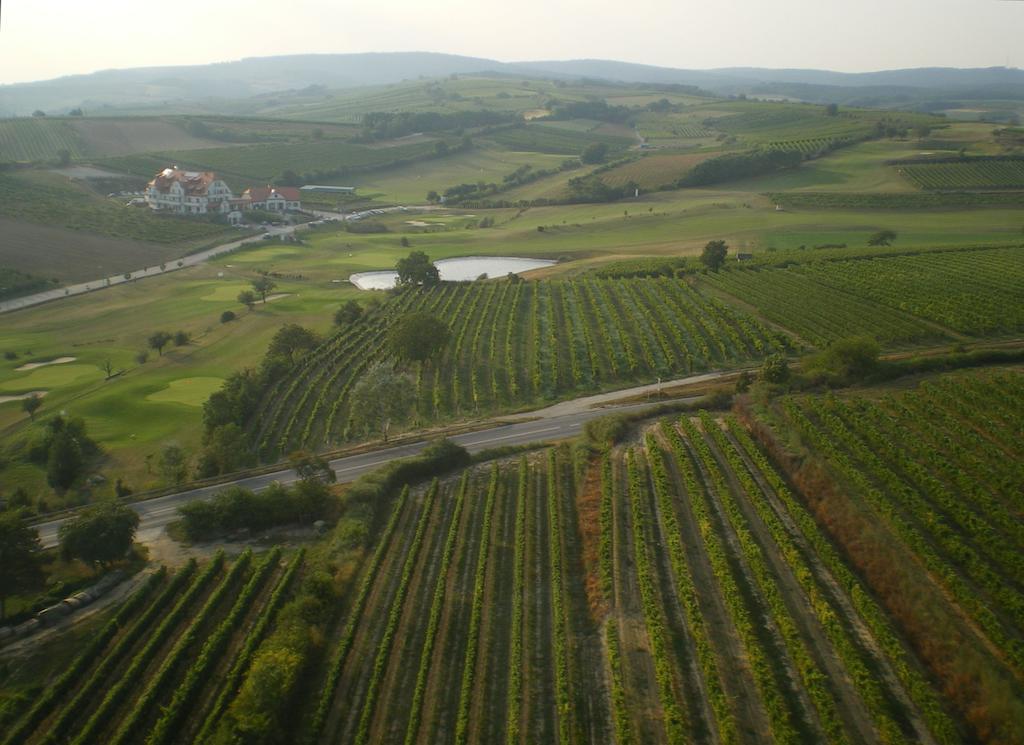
(34, 365)
(21, 396)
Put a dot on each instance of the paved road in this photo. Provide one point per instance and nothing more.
(549, 424)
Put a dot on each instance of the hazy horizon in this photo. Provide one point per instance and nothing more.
(112, 34)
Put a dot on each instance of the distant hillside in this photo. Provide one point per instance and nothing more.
(157, 86)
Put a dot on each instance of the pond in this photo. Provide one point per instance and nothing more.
(455, 270)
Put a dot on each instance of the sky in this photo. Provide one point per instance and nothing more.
(41, 39)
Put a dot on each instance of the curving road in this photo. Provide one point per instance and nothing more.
(556, 422)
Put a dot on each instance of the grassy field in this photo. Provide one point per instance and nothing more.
(48, 199)
(30, 247)
(653, 171)
(38, 139)
(136, 413)
(42, 139)
(254, 164)
(411, 185)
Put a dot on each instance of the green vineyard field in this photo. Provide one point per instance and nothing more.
(166, 664)
(514, 343)
(485, 625)
(984, 174)
(896, 299)
(949, 495)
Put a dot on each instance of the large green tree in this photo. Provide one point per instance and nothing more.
(417, 269)
(595, 152)
(20, 550)
(418, 337)
(99, 534)
(382, 397)
(311, 467)
(158, 340)
(291, 342)
(263, 286)
(64, 460)
(225, 449)
(348, 313)
(713, 255)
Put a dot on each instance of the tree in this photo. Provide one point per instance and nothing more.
(832, 109)
(713, 255)
(108, 368)
(289, 178)
(417, 269)
(291, 342)
(404, 242)
(849, 359)
(173, 464)
(225, 449)
(594, 153)
(19, 556)
(141, 357)
(440, 148)
(64, 460)
(433, 197)
(76, 112)
(775, 369)
(31, 404)
(348, 313)
(38, 113)
(382, 397)
(247, 298)
(158, 340)
(311, 467)
(181, 338)
(227, 316)
(418, 337)
(882, 238)
(99, 534)
(263, 286)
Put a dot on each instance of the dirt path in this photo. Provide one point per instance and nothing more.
(698, 706)
(490, 704)
(31, 643)
(804, 715)
(391, 714)
(638, 677)
(588, 681)
(538, 678)
(441, 701)
(348, 694)
(733, 664)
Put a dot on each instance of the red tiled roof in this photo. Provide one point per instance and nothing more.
(193, 182)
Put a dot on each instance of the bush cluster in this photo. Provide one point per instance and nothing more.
(236, 508)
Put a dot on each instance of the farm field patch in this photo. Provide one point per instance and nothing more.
(981, 174)
(515, 343)
(188, 391)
